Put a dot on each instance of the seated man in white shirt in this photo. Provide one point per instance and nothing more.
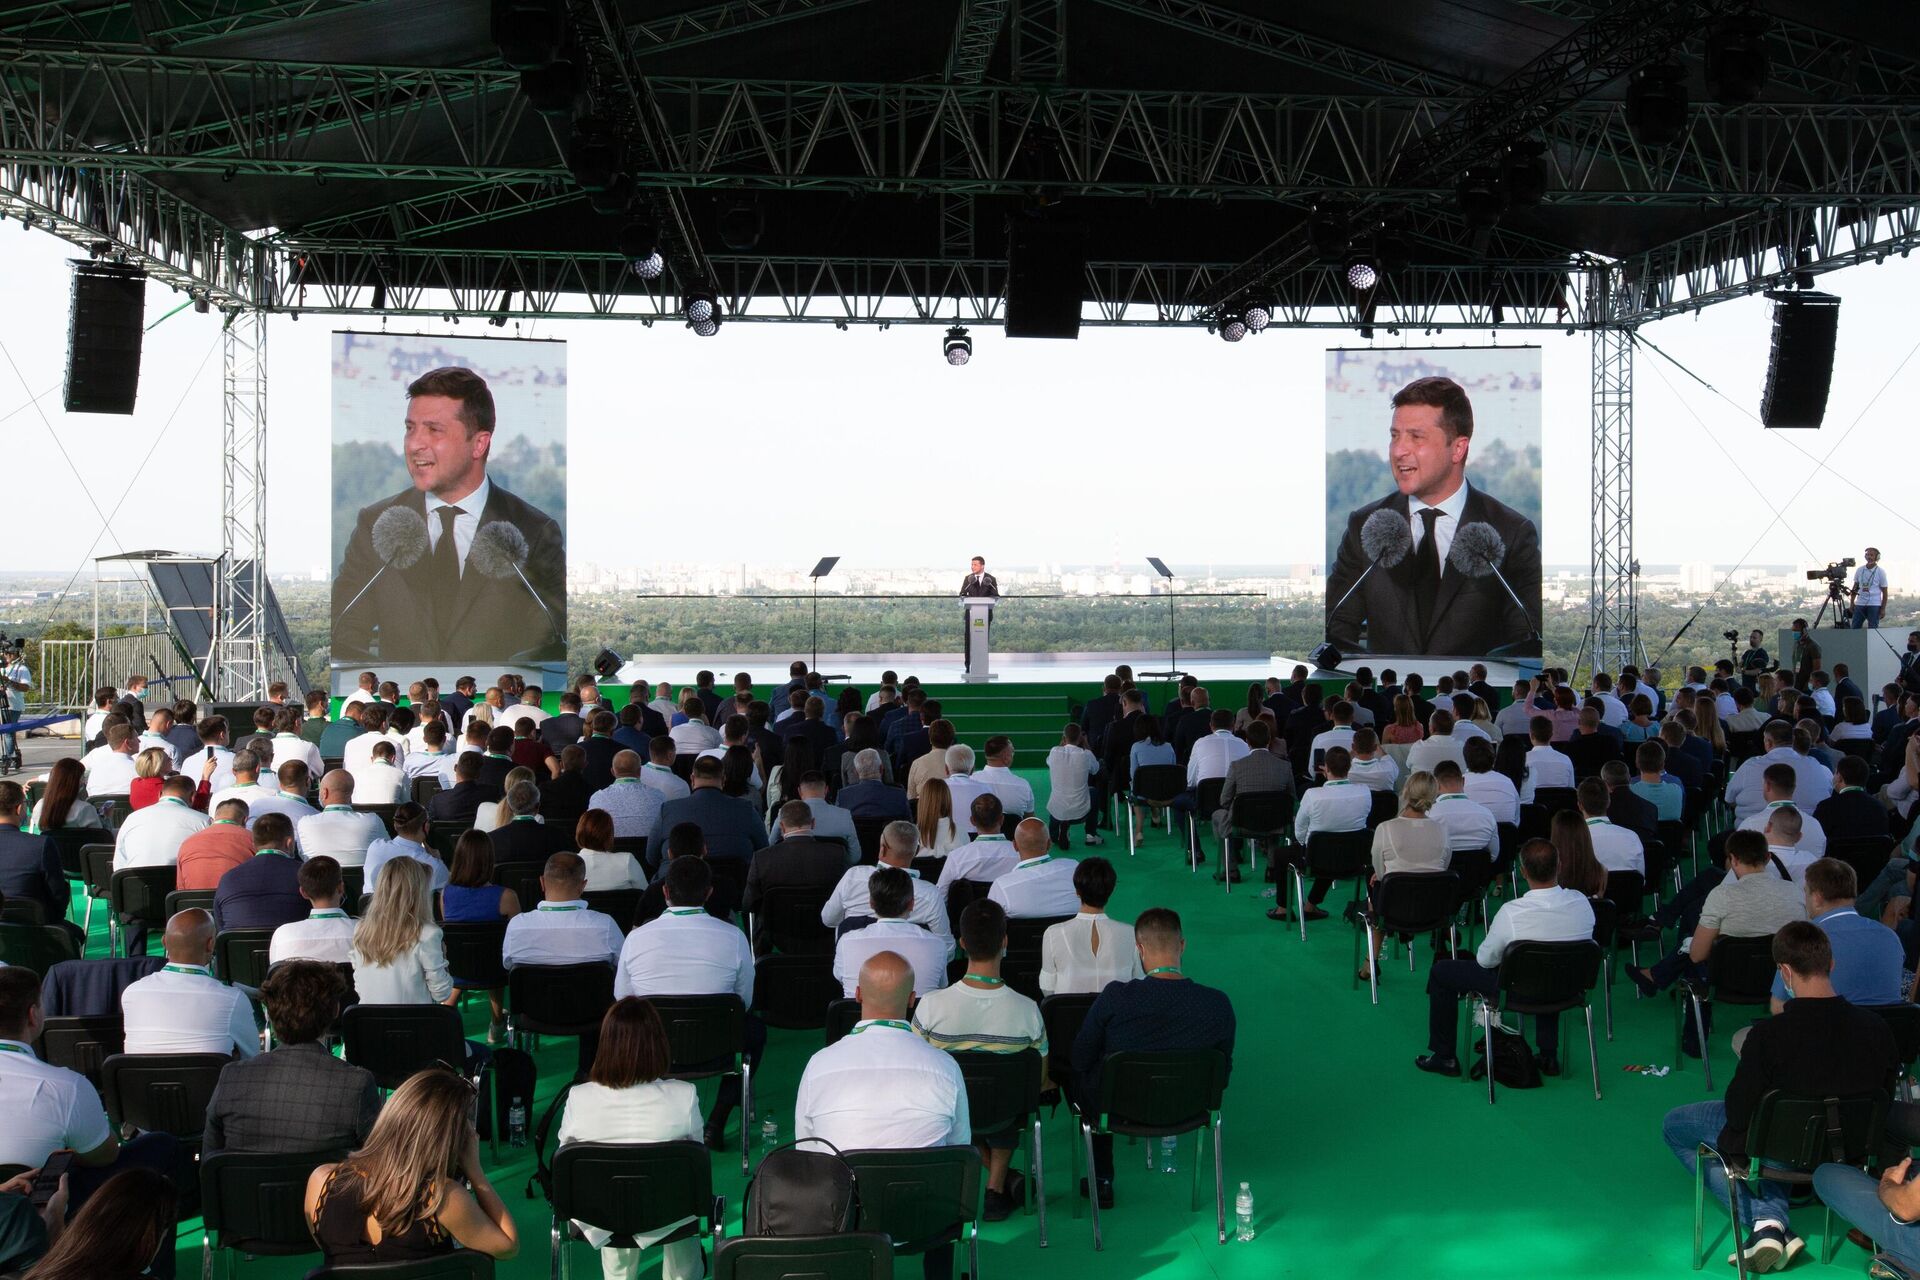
(963, 786)
(1745, 791)
(633, 806)
(1464, 729)
(151, 837)
(1338, 804)
(380, 779)
(1546, 767)
(159, 724)
(184, 1008)
(1438, 745)
(1545, 913)
(326, 934)
(339, 830)
(1372, 767)
(1777, 788)
(882, 1086)
(409, 840)
(1517, 716)
(109, 768)
(248, 786)
(898, 843)
(358, 752)
(1216, 753)
(658, 773)
(288, 798)
(528, 708)
(1015, 792)
(288, 744)
(1493, 791)
(562, 929)
(1040, 886)
(1084, 954)
(891, 891)
(989, 855)
(431, 758)
(212, 732)
(1614, 846)
(1339, 733)
(1612, 711)
(1784, 842)
(686, 952)
(1468, 823)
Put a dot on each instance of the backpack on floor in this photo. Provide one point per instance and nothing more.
(1513, 1064)
(513, 1081)
(801, 1193)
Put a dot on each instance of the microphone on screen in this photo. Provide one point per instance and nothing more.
(399, 541)
(500, 551)
(1385, 540)
(1477, 552)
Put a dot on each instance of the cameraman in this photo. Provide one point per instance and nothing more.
(1755, 661)
(1869, 591)
(15, 681)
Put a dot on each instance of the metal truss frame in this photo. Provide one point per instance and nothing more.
(240, 641)
(1613, 609)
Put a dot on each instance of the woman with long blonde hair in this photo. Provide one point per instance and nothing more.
(400, 1198)
(398, 956)
(491, 817)
(933, 814)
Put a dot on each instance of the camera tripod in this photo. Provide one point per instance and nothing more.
(1837, 601)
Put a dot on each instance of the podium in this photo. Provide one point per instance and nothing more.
(978, 615)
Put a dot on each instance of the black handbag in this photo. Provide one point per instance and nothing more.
(797, 1192)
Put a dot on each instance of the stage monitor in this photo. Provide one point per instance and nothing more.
(449, 503)
(1433, 508)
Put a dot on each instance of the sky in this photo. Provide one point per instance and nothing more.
(1122, 444)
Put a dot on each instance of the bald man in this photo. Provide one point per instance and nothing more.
(183, 1008)
(1040, 885)
(340, 831)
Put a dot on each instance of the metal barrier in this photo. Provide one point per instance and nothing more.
(70, 670)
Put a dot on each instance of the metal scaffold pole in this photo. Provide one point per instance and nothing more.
(240, 623)
(1613, 626)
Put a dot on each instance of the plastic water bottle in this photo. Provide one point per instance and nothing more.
(1243, 1214)
(517, 1124)
(769, 1133)
(1170, 1155)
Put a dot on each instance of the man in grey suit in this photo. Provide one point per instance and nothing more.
(732, 829)
(1260, 770)
(297, 1098)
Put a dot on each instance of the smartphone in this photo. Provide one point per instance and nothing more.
(47, 1181)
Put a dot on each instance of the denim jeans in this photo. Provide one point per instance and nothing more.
(1866, 616)
(1855, 1196)
(1687, 1127)
(9, 743)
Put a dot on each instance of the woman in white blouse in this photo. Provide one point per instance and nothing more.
(627, 1098)
(607, 867)
(1087, 952)
(933, 815)
(489, 817)
(1411, 842)
(398, 956)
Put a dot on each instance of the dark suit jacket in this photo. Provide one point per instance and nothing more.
(988, 586)
(529, 841)
(631, 739)
(721, 904)
(456, 705)
(493, 773)
(295, 1099)
(485, 619)
(564, 799)
(600, 753)
(30, 869)
(797, 860)
(1096, 716)
(1625, 809)
(1850, 815)
(731, 826)
(460, 802)
(562, 731)
(1193, 726)
(873, 800)
(1117, 768)
(1589, 751)
(262, 893)
(1471, 616)
(1687, 769)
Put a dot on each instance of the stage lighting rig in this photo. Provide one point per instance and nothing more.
(1481, 195)
(1738, 65)
(1361, 272)
(1258, 312)
(1233, 324)
(639, 244)
(1523, 174)
(958, 347)
(1657, 104)
(701, 306)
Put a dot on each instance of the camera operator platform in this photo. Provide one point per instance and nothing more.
(15, 681)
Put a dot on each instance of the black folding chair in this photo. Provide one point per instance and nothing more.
(252, 1204)
(1408, 903)
(1330, 855)
(1740, 971)
(82, 1044)
(161, 1092)
(1063, 1015)
(1256, 816)
(139, 894)
(558, 999)
(1003, 1097)
(461, 1264)
(393, 1041)
(1381, 806)
(1554, 800)
(1867, 855)
(96, 863)
(962, 894)
(1788, 1138)
(868, 830)
(442, 836)
(425, 788)
(786, 918)
(524, 879)
(187, 900)
(1904, 1021)
(1545, 979)
(793, 992)
(842, 1016)
(1020, 967)
(1153, 785)
(854, 1255)
(1206, 801)
(23, 911)
(36, 946)
(921, 1198)
(706, 1037)
(1606, 934)
(384, 812)
(630, 1189)
(620, 904)
(353, 883)
(1158, 1095)
(70, 841)
(240, 956)
(473, 949)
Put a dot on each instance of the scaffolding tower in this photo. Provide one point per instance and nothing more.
(240, 623)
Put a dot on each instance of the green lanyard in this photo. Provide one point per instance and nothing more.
(548, 906)
(7, 1046)
(984, 980)
(1034, 862)
(185, 968)
(686, 911)
(895, 1023)
(1595, 822)
(1165, 968)
(327, 913)
(341, 808)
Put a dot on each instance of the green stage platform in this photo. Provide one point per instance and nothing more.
(1360, 1165)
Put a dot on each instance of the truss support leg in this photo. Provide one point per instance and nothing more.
(1613, 623)
(240, 623)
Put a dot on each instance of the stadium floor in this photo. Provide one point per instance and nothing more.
(1359, 1164)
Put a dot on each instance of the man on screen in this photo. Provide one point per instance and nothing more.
(978, 582)
(449, 605)
(1425, 604)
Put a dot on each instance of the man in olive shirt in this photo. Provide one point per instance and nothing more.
(1752, 902)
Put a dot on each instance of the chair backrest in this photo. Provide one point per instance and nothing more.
(1904, 1021)
(1625, 889)
(179, 900)
(1339, 855)
(140, 893)
(1159, 783)
(1867, 855)
(560, 999)
(22, 911)
(1025, 932)
(842, 1014)
(1802, 1132)
(1556, 799)
(1746, 742)
(962, 894)
(792, 992)
(70, 841)
(523, 878)
(1475, 869)
(82, 1044)
(1161, 1093)
(473, 949)
(240, 956)
(425, 787)
(253, 1202)
(382, 811)
(96, 865)
(1260, 813)
(395, 1040)
(1417, 901)
(917, 1196)
(628, 1188)
(621, 904)
(461, 1264)
(856, 1255)
(353, 883)
(869, 831)
(1510, 757)
(1741, 970)
(36, 946)
(1606, 920)
(704, 1033)
(1003, 1089)
(790, 915)
(161, 1092)
(1549, 976)
(1063, 1015)
(443, 835)
(1207, 796)
(1381, 806)
(117, 810)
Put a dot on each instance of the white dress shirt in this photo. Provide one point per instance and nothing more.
(149, 740)
(1465, 729)
(1443, 529)
(1494, 791)
(1514, 718)
(108, 772)
(1468, 823)
(1015, 792)
(260, 800)
(685, 952)
(377, 782)
(1340, 804)
(1813, 837)
(556, 933)
(1069, 964)
(341, 832)
(418, 976)
(1613, 711)
(151, 837)
(984, 859)
(248, 793)
(383, 851)
(1214, 754)
(1069, 770)
(1038, 888)
(612, 869)
(1377, 774)
(1538, 915)
(850, 899)
(185, 1009)
(291, 746)
(663, 779)
(632, 804)
(358, 754)
(964, 787)
(1795, 858)
(922, 1102)
(325, 935)
(422, 763)
(1325, 741)
(690, 739)
(926, 952)
(48, 1108)
(465, 525)
(512, 716)
(1615, 847)
(1545, 768)
(1428, 752)
(359, 696)
(1813, 781)
(222, 775)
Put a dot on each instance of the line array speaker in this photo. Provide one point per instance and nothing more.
(104, 328)
(1800, 367)
(1046, 278)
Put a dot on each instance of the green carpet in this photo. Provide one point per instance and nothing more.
(1359, 1164)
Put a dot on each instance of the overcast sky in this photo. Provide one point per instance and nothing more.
(1124, 443)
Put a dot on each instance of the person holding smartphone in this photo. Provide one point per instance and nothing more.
(33, 1212)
